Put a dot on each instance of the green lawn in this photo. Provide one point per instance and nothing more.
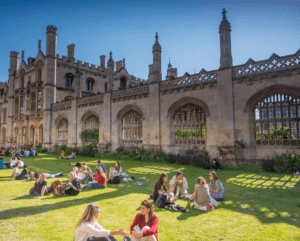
(258, 206)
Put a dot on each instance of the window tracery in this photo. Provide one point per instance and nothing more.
(189, 125)
(62, 128)
(277, 119)
(132, 125)
(92, 123)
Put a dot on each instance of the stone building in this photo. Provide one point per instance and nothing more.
(51, 99)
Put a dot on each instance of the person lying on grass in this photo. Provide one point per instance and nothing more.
(88, 229)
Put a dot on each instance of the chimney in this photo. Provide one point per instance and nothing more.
(119, 65)
(71, 51)
(102, 61)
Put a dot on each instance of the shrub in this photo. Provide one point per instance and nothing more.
(64, 148)
(286, 163)
(267, 165)
(89, 150)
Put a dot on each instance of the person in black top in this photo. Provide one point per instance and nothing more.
(40, 186)
(74, 185)
(160, 186)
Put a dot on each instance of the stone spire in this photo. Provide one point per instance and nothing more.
(168, 70)
(156, 46)
(225, 42)
(22, 55)
(155, 68)
(110, 68)
(39, 45)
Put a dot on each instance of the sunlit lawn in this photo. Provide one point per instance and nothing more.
(258, 206)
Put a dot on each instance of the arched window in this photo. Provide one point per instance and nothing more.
(41, 134)
(69, 80)
(277, 117)
(3, 133)
(32, 135)
(132, 126)
(89, 84)
(123, 83)
(91, 123)
(62, 128)
(189, 123)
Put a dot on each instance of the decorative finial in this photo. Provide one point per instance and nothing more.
(39, 45)
(224, 13)
(156, 38)
(170, 60)
(22, 55)
(110, 55)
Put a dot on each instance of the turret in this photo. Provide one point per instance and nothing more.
(110, 68)
(14, 62)
(155, 68)
(51, 41)
(225, 42)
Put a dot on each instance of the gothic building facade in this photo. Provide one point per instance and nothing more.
(51, 99)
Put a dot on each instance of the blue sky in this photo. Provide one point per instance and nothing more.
(188, 31)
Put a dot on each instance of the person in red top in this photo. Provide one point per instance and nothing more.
(145, 224)
(99, 182)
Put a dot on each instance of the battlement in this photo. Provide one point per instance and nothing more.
(14, 54)
(79, 63)
(51, 29)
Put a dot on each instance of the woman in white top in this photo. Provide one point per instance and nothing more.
(88, 229)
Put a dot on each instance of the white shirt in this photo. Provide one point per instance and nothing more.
(88, 229)
(184, 184)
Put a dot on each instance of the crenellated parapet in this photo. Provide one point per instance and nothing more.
(14, 54)
(274, 64)
(51, 29)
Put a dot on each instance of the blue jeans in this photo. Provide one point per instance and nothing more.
(52, 175)
(93, 185)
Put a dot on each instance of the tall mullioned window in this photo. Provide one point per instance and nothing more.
(132, 125)
(277, 119)
(92, 123)
(16, 105)
(62, 128)
(89, 84)
(69, 80)
(189, 125)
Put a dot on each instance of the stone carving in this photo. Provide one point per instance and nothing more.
(274, 63)
(140, 90)
(187, 80)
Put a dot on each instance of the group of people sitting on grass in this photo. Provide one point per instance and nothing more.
(18, 152)
(204, 196)
(144, 226)
(81, 177)
(62, 155)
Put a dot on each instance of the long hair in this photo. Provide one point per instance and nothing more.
(148, 205)
(88, 214)
(162, 176)
(201, 181)
(41, 178)
(118, 165)
(213, 173)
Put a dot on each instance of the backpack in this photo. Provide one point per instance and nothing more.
(162, 200)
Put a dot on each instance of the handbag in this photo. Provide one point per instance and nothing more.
(209, 208)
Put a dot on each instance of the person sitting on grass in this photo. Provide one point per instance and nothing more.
(40, 186)
(25, 174)
(178, 185)
(216, 188)
(85, 173)
(99, 182)
(73, 185)
(201, 195)
(114, 176)
(160, 186)
(145, 224)
(88, 229)
(102, 165)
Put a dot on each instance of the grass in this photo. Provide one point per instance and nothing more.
(258, 206)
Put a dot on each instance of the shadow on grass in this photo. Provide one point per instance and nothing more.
(271, 198)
